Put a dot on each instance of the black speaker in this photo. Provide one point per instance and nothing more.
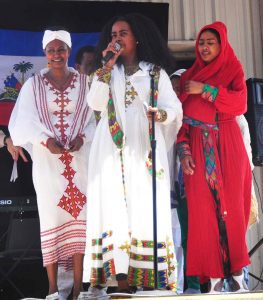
(254, 117)
(21, 266)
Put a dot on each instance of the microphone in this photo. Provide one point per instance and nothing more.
(110, 54)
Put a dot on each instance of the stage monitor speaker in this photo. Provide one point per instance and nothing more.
(254, 117)
(21, 266)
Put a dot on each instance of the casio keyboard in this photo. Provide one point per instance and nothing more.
(11, 204)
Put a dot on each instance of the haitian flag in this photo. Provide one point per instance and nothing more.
(21, 56)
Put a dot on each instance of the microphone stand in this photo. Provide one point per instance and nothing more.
(153, 147)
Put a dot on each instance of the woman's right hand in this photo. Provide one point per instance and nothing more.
(54, 146)
(15, 151)
(117, 53)
(188, 165)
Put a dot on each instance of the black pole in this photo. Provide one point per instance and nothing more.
(254, 249)
(251, 252)
(153, 146)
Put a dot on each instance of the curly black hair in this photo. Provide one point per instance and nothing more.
(81, 51)
(151, 46)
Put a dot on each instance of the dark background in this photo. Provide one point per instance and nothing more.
(76, 16)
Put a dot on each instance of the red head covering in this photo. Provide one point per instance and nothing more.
(221, 71)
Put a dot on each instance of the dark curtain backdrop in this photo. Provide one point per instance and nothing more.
(76, 16)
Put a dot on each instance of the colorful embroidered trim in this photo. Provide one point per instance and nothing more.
(140, 257)
(114, 126)
(107, 249)
(212, 175)
(104, 75)
(106, 234)
(130, 93)
(147, 244)
(154, 98)
(199, 124)
(183, 150)
(97, 276)
(136, 276)
(145, 277)
(109, 268)
(209, 92)
(72, 200)
(96, 256)
(126, 247)
(170, 263)
(96, 242)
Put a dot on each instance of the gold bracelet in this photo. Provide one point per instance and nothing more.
(161, 115)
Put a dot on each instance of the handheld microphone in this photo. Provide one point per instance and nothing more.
(110, 54)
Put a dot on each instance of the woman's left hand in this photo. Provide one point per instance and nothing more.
(150, 111)
(76, 144)
(193, 87)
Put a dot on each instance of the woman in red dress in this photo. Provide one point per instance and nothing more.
(216, 168)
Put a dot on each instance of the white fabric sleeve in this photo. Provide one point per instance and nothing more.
(2, 136)
(168, 101)
(98, 96)
(243, 125)
(90, 128)
(24, 125)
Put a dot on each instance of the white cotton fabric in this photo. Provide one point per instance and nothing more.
(51, 35)
(28, 130)
(243, 125)
(105, 187)
(178, 73)
(14, 174)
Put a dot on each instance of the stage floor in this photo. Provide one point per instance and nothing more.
(169, 296)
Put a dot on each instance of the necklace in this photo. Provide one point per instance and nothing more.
(129, 70)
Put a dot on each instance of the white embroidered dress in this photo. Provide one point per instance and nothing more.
(120, 234)
(60, 180)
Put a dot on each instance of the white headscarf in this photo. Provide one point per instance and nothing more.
(178, 73)
(50, 35)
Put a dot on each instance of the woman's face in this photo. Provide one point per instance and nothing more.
(208, 46)
(122, 34)
(57, 54)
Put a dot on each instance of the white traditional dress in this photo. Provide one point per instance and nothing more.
(120, 231)
(60, 180)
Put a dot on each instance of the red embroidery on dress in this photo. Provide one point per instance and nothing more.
(72, 200)
(62, 101)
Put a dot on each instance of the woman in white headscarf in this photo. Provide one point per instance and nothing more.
(52, 117)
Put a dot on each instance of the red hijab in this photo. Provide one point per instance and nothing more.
(221, 71)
